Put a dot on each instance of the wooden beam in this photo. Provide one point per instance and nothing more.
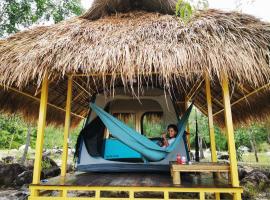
(230, 131)
(40, 133)
(37, 99)
(80, 78)
(187, 127)
(197, 87)
(245, 97)
(66, 128)
(243, 88)
(210, 118)
(82, 87)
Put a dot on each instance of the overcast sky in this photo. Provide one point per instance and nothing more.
(258, 8)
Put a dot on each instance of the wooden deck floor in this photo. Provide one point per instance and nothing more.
(140, 179)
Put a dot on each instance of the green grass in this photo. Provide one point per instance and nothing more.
(249, 158)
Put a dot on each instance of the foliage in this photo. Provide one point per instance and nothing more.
(186, 8)
(183, 10)
(13, 132)
(203, 131)
(256, 131)
(16, 15)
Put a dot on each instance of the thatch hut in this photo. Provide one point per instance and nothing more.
(134, 44)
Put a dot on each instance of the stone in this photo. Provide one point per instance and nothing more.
(255, 177)
(8, 159)
(25, 177)
(223, 157)
(21, 148)
(51, 172)
(9, 172)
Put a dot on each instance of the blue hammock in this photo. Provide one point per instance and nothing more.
(149, 149)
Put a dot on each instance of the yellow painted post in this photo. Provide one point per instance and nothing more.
(210, 118)
(166, 195)
(131, 195)
(40, 133)
(211, 122)
(97, 195)
(202, 196)
(230, 134)
(187, 127)
(67, 128)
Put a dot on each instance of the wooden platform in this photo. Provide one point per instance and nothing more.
(139, 180)
(154, 186)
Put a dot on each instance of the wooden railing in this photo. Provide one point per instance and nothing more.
(37, 192)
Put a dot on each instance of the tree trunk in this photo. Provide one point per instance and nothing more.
(255, 150)
(254, 146)
(27, 144)
(201, 148)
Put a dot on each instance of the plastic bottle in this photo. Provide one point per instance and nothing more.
(178, 159)
(184, 160)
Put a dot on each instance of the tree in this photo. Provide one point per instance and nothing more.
(27, 144)
(16, 15)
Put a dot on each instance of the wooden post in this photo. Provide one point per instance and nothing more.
(187, 127)
(67, 128)
(230, 135)
(210, 118)
(40, 133)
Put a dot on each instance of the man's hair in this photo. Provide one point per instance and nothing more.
(173, 126)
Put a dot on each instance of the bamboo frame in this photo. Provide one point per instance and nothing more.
(211, 122)
(130, 190)
(245, 97)
(82, 87)
(37, 99)
(187, 127)
(230, 134)
(40, 132)
(210, 118)
(191, 93)
(66, 128)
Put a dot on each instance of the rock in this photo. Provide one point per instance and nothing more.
(29, 164)
(56, 151)
(8, 159)
(51, 172)
(21, 148)
(24, 178)
(223, 157)
(242, 172)
(9, 172)
(50, 161)
(244, 149)
(255, 177)
(69, 168)
(13, 151)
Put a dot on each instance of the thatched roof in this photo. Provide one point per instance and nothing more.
(142, 44)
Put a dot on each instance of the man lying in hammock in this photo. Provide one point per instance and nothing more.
(172, 131)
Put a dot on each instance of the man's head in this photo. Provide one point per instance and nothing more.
(172, 130)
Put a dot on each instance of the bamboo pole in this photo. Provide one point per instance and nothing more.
(230, 135)
(211, 123)
(37, 99)
(66, 128)
(210, 118)
(245, 97)
(187, 127)
(40, 133)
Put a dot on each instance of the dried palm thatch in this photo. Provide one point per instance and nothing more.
(106, 7)
(139, 44)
